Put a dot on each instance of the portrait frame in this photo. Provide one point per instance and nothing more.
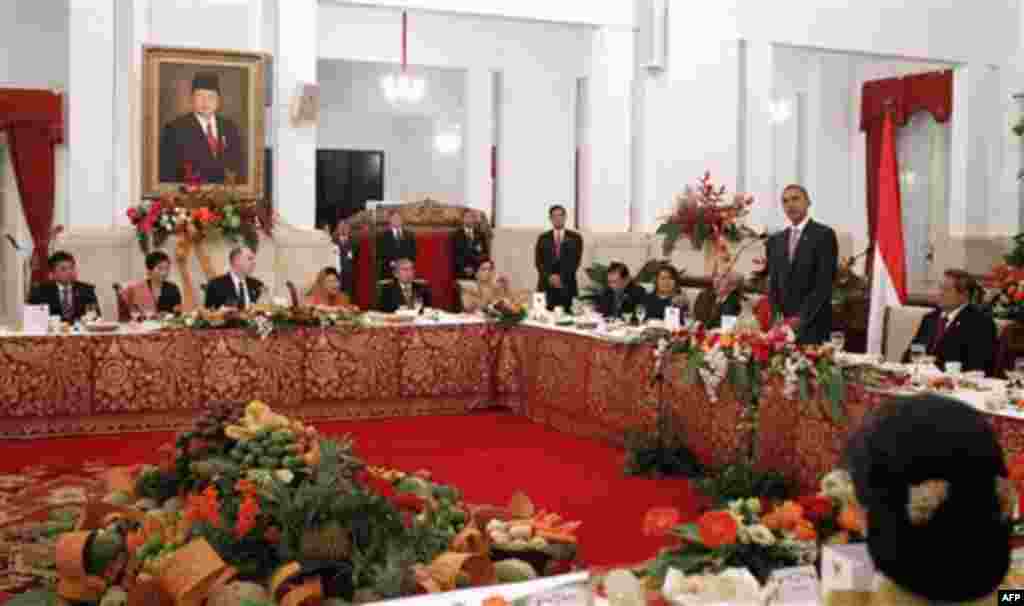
(166, 86)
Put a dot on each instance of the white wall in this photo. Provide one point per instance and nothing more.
(356, 115)
(540, 63)
(34, 52)
(605, 12)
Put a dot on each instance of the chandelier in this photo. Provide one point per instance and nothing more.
(401, 88)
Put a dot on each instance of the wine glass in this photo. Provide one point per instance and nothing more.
(627, 317)
(1017, 374)
(136, 314)
(577, 306)
(838, 340)
(641, 314)
(417, 304)
(91, 313)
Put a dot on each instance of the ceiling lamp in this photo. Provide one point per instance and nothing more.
(401, 88)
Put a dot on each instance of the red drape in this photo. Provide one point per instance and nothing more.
(903, 97)
(433, 263)
(34, 124)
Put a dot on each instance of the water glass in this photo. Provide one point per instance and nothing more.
(917, 354)
(417, 304)
(838, 340)
(641, 314)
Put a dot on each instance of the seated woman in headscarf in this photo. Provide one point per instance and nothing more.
(724, 298)
(155, 294)
(487, 288)
(667, 293)
(929, 473)
(326, 291)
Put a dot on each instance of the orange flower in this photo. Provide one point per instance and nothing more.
(495, 600)
(245, 487)
(717, 528)
(660, 520)
(853, 518)
(726, 340)
(784, 517)
(248, 511)
(804, 531)
(133, 541)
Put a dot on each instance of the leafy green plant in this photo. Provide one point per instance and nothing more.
(741, 481)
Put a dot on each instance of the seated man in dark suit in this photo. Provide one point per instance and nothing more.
(235, 289)
(471, 246)
(958, 331)
(394, 244)
(622, 296)
(65, 295)
(403, 291)
(724, 298)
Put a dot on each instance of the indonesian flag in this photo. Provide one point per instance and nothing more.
(889, 276)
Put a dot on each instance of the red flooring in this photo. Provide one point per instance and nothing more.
(489, 455)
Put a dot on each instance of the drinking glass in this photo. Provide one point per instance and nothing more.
(1016, 376)
(641, 314)
(417, 304)
(577, 307)
(838, 340)
(917, 354)
(136, 313)
(91, 313)
(627, 317)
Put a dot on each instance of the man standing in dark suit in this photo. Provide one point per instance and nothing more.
(347, 251)
(395, 243)
(802, 264)
(958, 331)
(622, 296)
(201, 144)
(557, 257)
(235, 289)
(403, 291)
(471, 246)
(66, 296)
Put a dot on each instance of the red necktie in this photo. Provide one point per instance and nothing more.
(558, 245)
(940, 331)
(212, 140)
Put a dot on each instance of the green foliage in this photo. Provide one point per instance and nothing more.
(1016, 256)
(35, 597)
(741, 481)
(646, 455)
(672, 233)
(157, 485)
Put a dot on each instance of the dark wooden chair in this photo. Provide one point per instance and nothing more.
(293, 293)
(124, 312)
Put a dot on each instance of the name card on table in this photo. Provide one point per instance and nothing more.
(35, 319)
(796, 586)
(672, 323)
(847, 568)
(728, 323)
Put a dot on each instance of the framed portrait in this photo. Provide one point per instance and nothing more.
(203, 114)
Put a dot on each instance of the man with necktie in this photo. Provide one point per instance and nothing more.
(557, 257)
(395, 243)
(622, 296)
(802, 264)
(403, 290)
(347, 251)
(470, 246)
(62, 293)
(235, 289)
(202, 144)
(958, 331)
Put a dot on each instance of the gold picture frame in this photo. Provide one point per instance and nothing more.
(179, 143)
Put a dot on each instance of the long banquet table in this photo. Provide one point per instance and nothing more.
(567, 379)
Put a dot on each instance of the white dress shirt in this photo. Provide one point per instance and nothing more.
(208, 123)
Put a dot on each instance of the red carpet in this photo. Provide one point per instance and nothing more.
(489, 455)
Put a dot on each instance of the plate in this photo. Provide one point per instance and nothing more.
(102, 327)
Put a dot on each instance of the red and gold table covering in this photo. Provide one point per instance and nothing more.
(570, 381)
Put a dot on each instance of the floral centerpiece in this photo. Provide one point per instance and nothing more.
(266, 318)
(199, 212)
(756, 533)
(252, 505)
(706, 216)
(506, 311)
(1006, 283)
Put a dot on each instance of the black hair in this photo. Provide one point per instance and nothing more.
(59, 257)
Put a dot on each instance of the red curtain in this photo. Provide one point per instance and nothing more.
(34, 124)
(433, 263)
(903, 97)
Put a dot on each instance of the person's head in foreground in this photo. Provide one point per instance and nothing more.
(931, 476)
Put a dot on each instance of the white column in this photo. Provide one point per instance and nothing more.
(91, 189)
(607, 142)
(757, 131)
(132, 32)
(295, 147)
(477, 138)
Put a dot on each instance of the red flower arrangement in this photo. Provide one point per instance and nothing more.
(705, 215)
